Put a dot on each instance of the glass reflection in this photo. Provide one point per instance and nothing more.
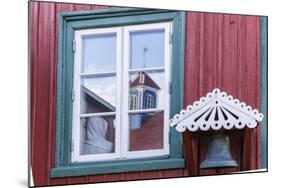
(99, 53)
(146, 90)
(147, 49)
(97, 135)
(98, 94)
(146, 131)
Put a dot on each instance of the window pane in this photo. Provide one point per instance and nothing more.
(147, 49)
(146, 90)
(146, 131)
(97, 135)
(98, 94)
(99, 53)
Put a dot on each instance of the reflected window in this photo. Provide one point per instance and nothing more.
(149, 101)
(133, 102)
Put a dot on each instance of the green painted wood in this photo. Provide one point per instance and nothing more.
(264, 150)
(93, 169)
(127, 20)
(112, 12)
(68, 23)
(69, 66)
(136, 12)
(123, 160)
(177, 80)
(60, 94)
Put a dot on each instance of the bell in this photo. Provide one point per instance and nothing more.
(218, 153)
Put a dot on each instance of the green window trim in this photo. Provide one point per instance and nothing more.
(264, 134)
(68, 23)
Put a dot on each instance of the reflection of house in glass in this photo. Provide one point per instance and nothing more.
(92, 103)
(143, 92)
(149, 125)
(143, 95)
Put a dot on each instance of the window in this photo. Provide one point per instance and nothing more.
(133, 102)
(149, 101)
(120, 76)
(114, 62)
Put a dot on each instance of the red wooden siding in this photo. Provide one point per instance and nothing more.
(224, 51)
(221, 51)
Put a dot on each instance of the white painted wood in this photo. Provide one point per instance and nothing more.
(97, 114)
(216, 111)
(154, 69)
(145, 110)
(100, 74)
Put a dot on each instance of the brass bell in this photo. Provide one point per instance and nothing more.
(218, 155)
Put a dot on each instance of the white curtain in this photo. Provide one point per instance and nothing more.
(95, 135)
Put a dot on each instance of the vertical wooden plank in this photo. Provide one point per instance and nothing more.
(258, 91)
(250, 78)
(42, 99)
(189, 156)
(210, 52)
(230, 55)
(220, 51)
(236, 146)
(241, 73)
(241, 58)
(201, 55)
(51, 95)
(191, 86)
(34, 12)
(191, 80)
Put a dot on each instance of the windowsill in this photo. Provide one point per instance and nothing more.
(117, 167)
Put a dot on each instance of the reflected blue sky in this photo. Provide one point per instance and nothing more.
(99, 53)
(147, 49)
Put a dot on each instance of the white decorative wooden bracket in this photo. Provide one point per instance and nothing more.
(216, 111)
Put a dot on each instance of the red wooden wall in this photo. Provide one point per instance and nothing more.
(221, 51)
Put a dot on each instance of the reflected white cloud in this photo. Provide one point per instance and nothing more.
(104, 87)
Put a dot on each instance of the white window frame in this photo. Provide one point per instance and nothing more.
(122, 93)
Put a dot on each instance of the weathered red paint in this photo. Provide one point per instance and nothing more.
(221, 51)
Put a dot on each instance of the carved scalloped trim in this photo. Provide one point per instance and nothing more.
(215, 111)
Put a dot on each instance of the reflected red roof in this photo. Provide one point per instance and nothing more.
(144, 79)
